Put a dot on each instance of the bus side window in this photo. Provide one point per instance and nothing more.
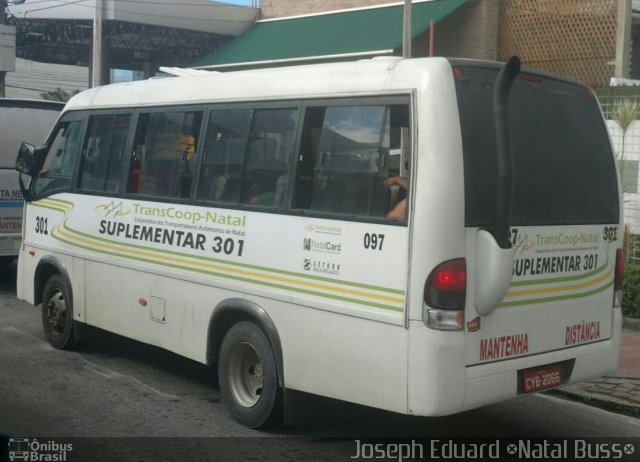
(224, 155)
(246, 156)
(57, 170)
(347, 155)
(164, 154)
(101, 163)
(268, 153)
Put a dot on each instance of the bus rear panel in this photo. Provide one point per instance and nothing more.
(559, 321)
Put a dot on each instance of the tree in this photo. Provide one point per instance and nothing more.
(59, 95)
(625, 112)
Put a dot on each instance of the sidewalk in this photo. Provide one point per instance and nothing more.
(619, 392)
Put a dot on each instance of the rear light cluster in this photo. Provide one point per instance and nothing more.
(618, 279)
(445, 293)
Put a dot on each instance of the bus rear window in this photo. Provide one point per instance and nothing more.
(564, 167)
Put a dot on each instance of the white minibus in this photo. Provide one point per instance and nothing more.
(20, 120)
(424, 236)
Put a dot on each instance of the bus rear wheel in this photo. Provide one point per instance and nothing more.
(57, 312)
(248, 375)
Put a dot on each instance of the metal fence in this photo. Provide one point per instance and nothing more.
(574, 38)
(608, 98)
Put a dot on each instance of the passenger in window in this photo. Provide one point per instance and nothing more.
(399, 211)
(261, 194)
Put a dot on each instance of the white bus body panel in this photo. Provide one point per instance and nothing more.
(310, 275)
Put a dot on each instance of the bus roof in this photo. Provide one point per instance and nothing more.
(321, 80)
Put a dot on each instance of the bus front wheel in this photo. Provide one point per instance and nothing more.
(57, 312)
(248, 375)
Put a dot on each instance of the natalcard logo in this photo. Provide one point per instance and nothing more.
(320, 246)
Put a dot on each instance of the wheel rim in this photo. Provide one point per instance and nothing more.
(56, 313)
(245, 374)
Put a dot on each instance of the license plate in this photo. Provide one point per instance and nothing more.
(542, 378)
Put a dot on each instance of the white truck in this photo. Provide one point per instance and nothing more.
(20, 119)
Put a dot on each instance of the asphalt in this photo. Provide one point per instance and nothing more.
(619, 392)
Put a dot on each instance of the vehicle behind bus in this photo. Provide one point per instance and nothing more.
(423, 236)
(20, 120)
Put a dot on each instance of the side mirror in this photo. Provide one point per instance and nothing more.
(26, 163)
(30, 159)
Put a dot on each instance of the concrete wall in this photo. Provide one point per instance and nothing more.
(283, 8)
(469, 32)
(31, 79)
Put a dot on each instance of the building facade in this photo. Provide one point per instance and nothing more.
(579, 39)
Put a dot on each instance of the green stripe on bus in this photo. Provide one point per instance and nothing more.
(55, 199)
(62, 205)
(238, 264)
(236, 278)
(231, 263)
(50, 207)
(557, 298)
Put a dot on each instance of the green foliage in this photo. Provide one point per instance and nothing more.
(625, 112)
(631, 291)
(59, 95)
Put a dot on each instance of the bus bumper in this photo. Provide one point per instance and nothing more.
(439, 386)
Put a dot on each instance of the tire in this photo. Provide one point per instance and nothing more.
(57, 313)
(248, 376)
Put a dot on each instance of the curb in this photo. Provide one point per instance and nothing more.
(602, 401)
(618, 392)
(631, 324)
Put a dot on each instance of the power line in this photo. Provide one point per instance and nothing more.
(134, 13)
(223, 5)
(55, 6)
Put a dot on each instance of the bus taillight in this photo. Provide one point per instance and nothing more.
(444, 295)
(618, 278)
(458, 73)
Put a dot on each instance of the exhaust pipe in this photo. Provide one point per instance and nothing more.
(504, 199)
(494, 252)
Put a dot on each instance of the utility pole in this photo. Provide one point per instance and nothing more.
(3, 20)
(96, 56)
(7, 47)
(406, 30)
(623, 40)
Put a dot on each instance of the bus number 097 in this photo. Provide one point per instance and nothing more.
(373, 241)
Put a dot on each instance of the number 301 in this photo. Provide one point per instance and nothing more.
(42, 225)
